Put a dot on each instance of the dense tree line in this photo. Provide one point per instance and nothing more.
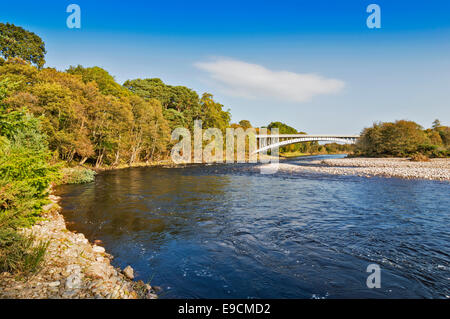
(89, 117)
(83, 123)
(181, 105)
(404, 138)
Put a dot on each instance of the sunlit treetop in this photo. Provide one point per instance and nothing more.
(18, 42)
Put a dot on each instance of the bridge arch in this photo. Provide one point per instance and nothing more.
(268, 142)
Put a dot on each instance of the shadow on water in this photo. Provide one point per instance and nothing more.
(227, 231)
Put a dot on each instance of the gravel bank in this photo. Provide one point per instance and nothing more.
(73, 268)
(435, 169)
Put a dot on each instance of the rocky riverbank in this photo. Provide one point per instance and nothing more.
(435, 169)
(72, 268)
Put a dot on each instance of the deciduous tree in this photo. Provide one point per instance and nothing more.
(18, 42)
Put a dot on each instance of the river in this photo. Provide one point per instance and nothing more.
(227, 231)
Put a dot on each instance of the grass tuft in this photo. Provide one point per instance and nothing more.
(20, 254)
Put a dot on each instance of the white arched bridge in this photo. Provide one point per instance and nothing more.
(271, 141)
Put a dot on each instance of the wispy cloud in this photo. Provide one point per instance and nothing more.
(249, 80)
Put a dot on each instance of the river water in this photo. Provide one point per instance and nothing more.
(227, 231)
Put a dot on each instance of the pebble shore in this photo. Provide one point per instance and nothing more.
(435, 169)
(73, 268)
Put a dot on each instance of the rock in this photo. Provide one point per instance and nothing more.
(157, 288)
(98, 249)
(54, 198)
(128, 272)
(82, 240)
(133, 295)
(151, 296)
(48, 207)
(69, 294)
(73, 268)
(54, 284)
(73, 281)
(98, 270)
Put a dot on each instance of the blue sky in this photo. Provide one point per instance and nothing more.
(311, 64)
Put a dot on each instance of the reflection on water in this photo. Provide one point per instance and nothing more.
(228, 231)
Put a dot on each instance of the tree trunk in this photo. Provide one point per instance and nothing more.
(116, 161)
(99, 160)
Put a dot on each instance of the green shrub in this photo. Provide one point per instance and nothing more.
(25, 177)
(419, 158)
(77, 175)
(25, 171)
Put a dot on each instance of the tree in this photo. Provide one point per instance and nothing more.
(443, 131)
(212, 113)
(282, 128)
(436, 124)
(150, 132)
(110, 119)
(60, 100)
(286, 129)
(245, 124)
(150, 88)
(434, 137)
(18, 42)
(105, 81)
(400, 138)
(181, 105)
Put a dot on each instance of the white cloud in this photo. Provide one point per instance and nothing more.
(244, 79)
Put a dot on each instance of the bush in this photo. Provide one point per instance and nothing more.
(25, 171)
(25, 177)
(77, 175)
(401, 139)
(419, 158)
